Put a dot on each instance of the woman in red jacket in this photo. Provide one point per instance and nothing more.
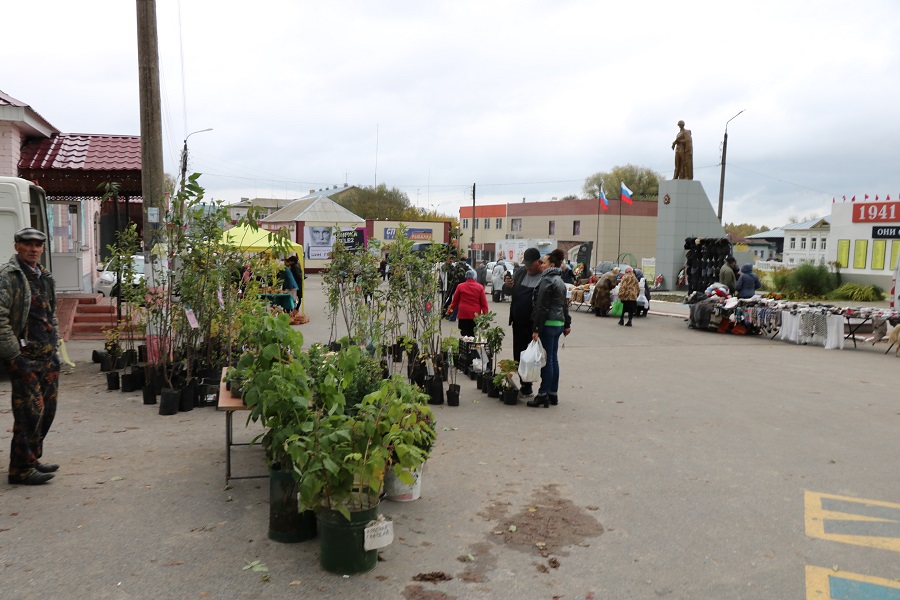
(471, 300)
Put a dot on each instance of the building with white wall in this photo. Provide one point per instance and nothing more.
(806, 242)
(865, 241)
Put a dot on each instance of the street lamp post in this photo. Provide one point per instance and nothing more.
(722, 177)
(184, 155)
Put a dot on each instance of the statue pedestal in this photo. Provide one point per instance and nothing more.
(684, 211)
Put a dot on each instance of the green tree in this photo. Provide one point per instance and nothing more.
(642, 181)
(570, 197)
(378, 203)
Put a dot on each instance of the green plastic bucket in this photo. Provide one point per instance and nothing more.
(286, 523)
(341, 542)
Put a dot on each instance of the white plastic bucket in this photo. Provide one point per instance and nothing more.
(397, 491)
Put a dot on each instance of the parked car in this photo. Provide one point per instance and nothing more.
(106, 282)
(608, 265)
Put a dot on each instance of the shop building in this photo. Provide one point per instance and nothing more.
(623, 229)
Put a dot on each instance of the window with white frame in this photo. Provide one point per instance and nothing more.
(465, 223)
(576, 228)
(793, 243)
(476, 223)
(803, 243)
(812, 243)
(515, 225)
(498, 223)
(551, 230)
(487, 223)
(823, 243)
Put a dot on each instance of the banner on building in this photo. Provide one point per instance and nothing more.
(416, 234)
(318, 241)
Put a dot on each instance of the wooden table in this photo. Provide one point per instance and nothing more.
(231, 403)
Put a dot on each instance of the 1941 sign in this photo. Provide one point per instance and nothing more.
(881, 212)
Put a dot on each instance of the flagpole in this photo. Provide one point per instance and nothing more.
(597, 242)
(619, 242)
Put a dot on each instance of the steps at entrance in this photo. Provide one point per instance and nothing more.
(85, 316)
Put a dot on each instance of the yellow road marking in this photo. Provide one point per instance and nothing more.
(870, 523)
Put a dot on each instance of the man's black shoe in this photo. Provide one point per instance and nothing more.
(46, 467)
(33, 478)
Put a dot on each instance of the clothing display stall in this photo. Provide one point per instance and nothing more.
(798, 322)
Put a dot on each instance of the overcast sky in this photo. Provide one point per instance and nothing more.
(526, 99)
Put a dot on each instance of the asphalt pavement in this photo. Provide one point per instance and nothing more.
(678, 464)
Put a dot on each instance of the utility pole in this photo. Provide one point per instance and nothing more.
(472, 248)
(722, 176)
(151, 123)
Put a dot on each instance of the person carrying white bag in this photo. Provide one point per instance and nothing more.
(531, 361)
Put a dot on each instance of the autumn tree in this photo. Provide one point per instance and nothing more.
(383, 203)
(744, 229)
(642, 181)
(377, 202)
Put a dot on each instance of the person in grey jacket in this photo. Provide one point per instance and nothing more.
(550, 318)
(747, 283)
(29, 334)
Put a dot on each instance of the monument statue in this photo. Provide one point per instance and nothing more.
(684, 153)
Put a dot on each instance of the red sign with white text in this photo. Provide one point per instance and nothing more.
(877, 212)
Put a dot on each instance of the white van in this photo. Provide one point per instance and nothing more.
(22, 204)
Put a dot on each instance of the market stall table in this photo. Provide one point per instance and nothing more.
(285, 301)
(231, 403)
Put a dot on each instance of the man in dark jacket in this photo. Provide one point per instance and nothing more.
(728, 274)
(481, 273)
(29, 335)
(520, 292)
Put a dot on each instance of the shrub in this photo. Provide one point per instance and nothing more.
(857, 293)
(806, 281)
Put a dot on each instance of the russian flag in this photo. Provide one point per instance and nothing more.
(626, 194)
(604, 201)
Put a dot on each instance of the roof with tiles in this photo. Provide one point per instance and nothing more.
(83, 152)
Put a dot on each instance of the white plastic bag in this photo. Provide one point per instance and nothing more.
(532, 359)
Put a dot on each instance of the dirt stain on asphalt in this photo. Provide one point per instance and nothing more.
(544, 528)
(548, 525)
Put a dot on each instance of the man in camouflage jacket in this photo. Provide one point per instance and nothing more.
(29, 335)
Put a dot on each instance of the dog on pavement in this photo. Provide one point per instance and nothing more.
(894, 339)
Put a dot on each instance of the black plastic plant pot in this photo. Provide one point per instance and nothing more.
(97, 355)
(510, 396)
(149, 394)
(435, 389)
(168, 401)
(129, 381)
(188, 394)
(286, 523)
(112, 380)
(495, 391)
(106, 362)
(453, 395)
(131, 357)
(334, 346)
(142, 353)
(479, 381)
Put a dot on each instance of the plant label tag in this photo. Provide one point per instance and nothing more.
(192, 318)
(378, 535)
